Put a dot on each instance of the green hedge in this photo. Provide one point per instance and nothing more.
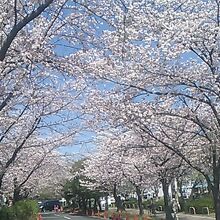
(160, 202)
(22, 210)
(199, 203)
(133, 202)
(157, 203)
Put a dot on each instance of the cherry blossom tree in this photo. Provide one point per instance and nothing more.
(36, 168)
(104, 171)
(138, 172)
(40, 88)
(29, 177)
(160, 60)
(140, 162)
(165, 57)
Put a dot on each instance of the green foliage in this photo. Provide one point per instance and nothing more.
(131, 201)
(79, 194)
(7, 213)
(73, 190)
(198, 204)
(22, 210)
(157, 203)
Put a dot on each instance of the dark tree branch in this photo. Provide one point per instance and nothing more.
(13, 33)
(12, 124)
(16, 13)
(18, 149)
(35, 168)
(4, 103)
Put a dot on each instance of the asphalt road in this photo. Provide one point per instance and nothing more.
(61, 216)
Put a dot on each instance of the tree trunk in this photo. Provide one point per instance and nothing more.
(118, 202)
(216, 181)
(182, 200)
(99, 204)
(115, 196)
(140, 205)
(217, 211)
(1, 178)
(84, 205)
(80, 203)
(167, 207)
(216, 192)
(17, 190)
(95, 205)
(217, 205)
(106, 202)
(16, 195)
(90, 204)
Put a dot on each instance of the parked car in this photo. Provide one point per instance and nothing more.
(49, 205)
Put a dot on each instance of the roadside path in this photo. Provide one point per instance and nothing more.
(183, 216)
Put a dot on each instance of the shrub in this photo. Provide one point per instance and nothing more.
(7, 213)
(199, 203)
(22, 210)
(157, 203)
(131, 203)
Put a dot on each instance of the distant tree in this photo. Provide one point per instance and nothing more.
(78, 195)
